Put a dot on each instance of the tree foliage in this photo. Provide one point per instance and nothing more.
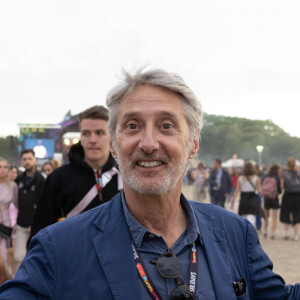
(223, 136)
(9, 148)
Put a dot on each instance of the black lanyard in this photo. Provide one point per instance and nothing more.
(148, 284)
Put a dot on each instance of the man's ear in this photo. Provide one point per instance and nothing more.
(195, 145)
(112, 150)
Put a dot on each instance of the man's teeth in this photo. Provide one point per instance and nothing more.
(149, 164)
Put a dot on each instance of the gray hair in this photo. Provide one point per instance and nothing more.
(156, 77)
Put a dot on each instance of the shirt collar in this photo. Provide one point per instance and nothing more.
(138, 231)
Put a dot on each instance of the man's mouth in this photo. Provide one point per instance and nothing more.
(149, 164)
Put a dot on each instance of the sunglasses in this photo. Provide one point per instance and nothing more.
(168, 266)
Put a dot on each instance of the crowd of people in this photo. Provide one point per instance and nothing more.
(121, 227)
(64, 191)
(17, 189)
(267, 194)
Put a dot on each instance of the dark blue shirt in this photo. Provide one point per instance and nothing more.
(151, 246)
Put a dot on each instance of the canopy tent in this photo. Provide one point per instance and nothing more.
(237, 163)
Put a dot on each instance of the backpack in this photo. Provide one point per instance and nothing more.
(292, 182)
(269, 188)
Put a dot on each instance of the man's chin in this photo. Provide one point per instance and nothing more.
(93, 157)
(151, 187)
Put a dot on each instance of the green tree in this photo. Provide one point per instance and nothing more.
(9, 148)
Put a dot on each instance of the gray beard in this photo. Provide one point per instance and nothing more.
(161, 186)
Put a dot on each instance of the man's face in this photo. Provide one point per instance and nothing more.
(152, 140)
(95, 141)
(28, 161)
(216, 165)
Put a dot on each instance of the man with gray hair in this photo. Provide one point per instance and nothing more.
(149, 241)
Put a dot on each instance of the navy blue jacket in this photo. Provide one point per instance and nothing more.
(226, 182)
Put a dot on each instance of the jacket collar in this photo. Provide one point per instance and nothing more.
(24, 174)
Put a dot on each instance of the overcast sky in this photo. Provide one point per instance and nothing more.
(241, 58)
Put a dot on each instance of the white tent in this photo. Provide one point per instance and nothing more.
(238, 163)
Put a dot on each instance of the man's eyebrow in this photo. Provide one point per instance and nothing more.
(165, 114)
(130, 115)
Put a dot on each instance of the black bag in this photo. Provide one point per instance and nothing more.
(5, 231)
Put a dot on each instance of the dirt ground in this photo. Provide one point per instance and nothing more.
(285, 254)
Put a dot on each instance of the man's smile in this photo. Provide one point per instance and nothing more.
(149, 164)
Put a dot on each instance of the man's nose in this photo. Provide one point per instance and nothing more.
(148, 141)
(93, 138)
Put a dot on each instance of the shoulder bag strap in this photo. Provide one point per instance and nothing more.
(84, 202)
(254, 187)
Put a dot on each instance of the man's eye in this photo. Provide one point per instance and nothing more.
(132, 126)
(167, 126)
(85, 134)
(100, 133)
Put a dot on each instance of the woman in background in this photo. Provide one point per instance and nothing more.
(8, 195)
(200, 177)
(248, 185)
(290, 206)
(47, 168)
(13, 212)
(272, 204)
(14, 173)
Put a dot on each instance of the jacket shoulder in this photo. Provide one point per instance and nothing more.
(98, 217)
(219, 217)
(66, 171)
(39, 176)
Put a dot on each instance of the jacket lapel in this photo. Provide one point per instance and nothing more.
(217, 255)
(115, 254)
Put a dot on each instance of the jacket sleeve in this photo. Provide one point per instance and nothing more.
(211, 180)
(266, 284)
(45, 214)
(35, 278)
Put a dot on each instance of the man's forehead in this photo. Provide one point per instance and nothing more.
(147, 99)
(145, 90)
(93, 124)
(27, 155)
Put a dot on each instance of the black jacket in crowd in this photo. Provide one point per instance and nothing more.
(67, 185)
(29, 194)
